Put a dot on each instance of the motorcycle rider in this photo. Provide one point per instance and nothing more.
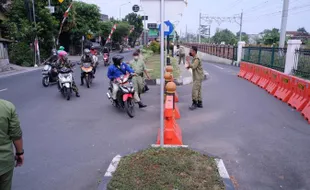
(106, 50)
(87, 58)
(93, 51)
(64, 62)
(117, 69)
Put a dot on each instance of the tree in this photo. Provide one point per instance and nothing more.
(136, 21)
(224, 36)
(22, 29)
(271, 36)
(121, 32)
(104, 30)
(244, 37)
(87, 20)
(302, 30)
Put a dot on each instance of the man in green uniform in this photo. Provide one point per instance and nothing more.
(145, 88)
(198, 76)
(10, 132)
(139, 67)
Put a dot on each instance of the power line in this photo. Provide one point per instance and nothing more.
(277, 12)
(235, 3)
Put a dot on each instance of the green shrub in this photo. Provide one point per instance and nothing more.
(21, 54)
(155, 47)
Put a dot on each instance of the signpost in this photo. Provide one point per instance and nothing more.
(51, 9)
(135, 8)
(168, 29)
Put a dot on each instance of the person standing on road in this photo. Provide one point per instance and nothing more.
(181, 54)
(139, 67)
(145, 88)
(10, 132)
(198, 76)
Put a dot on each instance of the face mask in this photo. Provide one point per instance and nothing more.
(136, 58)
(190, 54)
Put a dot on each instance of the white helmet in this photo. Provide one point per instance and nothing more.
(86, 51)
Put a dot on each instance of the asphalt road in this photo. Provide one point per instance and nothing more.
(70, 144)
(263, 142)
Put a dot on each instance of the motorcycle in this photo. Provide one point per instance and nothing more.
(88, 74)
(65, 79)
(49, 74)
(125, 95)
(106, 59)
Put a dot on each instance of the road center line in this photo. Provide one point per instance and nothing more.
(218, 67)
(3, 89)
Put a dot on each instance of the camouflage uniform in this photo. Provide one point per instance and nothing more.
(138, 81)
(198, 76)
(67, 63)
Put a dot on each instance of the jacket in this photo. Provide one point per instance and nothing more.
(115, 72)
(196, 66)
(9, 131)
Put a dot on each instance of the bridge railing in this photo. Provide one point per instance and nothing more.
(224, 51)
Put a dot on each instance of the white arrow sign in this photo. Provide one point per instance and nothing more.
(166, 28)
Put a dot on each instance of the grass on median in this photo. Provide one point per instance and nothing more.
(170, 168)
(153, 62)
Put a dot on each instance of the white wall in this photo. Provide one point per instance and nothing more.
(173, 10)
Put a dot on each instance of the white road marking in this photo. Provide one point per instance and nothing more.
(221, 168)
(112, 166)
(3, 89)
(218, 67)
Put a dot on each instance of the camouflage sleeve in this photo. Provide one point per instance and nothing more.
(15, 131)
(195, 64)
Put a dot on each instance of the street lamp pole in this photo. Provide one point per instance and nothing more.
(120, 9)
(37, 51)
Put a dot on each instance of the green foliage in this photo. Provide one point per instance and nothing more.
(302, 30)
(134, 20)
(224, 36)
(21, 29)
(244, 37)
(122, 30)
(155, 47)
(21, 54)
(60, 9)
(271, 36)
(87, 20)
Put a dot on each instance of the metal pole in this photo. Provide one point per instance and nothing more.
(162, 82)
(186, 34)
(144, 33)
(36, 38)
(283, 23)
(199, 29)
(240, 32)
(120, 14)
(49, 3)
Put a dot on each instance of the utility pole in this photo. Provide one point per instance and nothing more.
(240, 32)
(186, 34)
(199, 28)
(283, 23)
(37, 51)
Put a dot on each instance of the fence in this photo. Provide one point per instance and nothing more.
(267, 56)
(302, 63)
(224, 51)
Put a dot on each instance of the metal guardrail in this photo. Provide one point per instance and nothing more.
(224, 51)
(271, 57)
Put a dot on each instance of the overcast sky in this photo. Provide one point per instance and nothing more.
(258, 14)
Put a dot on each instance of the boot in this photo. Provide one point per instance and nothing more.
(146, 88)
(193, 106)
(141, 105)
(199, 104)
(82, 81)
(77, 94)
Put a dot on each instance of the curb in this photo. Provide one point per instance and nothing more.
(224, 174)
(115, 161)
(17, 72)
(179, 82)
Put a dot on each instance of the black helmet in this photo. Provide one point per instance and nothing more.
(92, 47)
(117, 59)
